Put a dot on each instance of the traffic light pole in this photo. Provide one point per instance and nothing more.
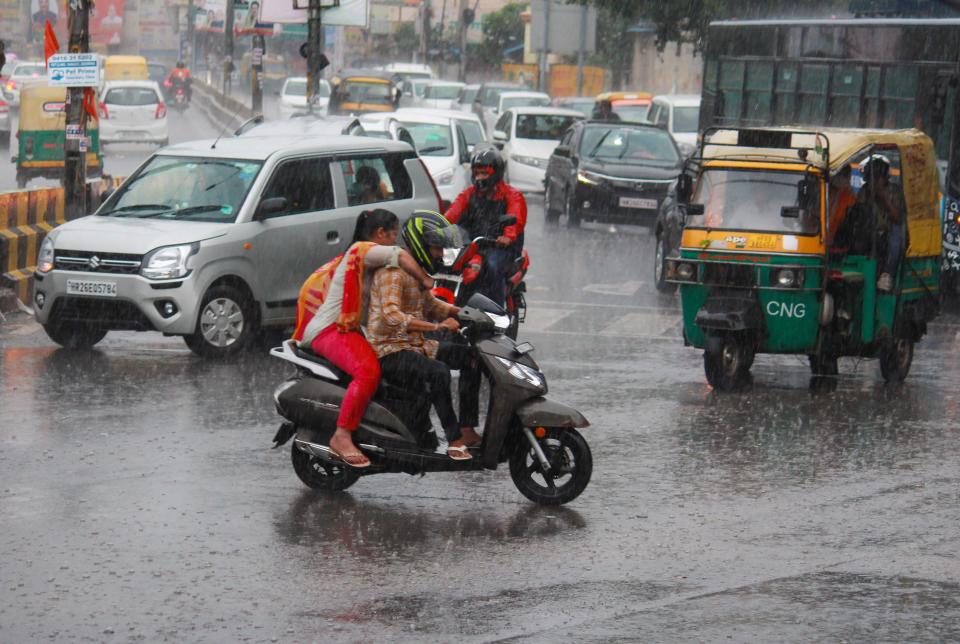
(75, 157)
(314, 51)
(228, 48)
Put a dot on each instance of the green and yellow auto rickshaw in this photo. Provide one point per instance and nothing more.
(42, 135)
(791, 245)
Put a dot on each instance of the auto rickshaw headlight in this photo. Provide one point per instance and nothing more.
(685, 271)
(789, 278)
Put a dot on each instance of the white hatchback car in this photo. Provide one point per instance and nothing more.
(441, 95)
(293, 96)
(510, 98)
(24, 74)
(214, 243)
(528, 136)
(443, 149)
(133, 112)
(470, 123)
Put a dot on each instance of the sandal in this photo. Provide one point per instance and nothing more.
(460, 453)
(355, 460)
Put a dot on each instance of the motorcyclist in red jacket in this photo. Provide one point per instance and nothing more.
(179, 75)
(478, 210)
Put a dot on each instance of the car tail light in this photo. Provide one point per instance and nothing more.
(4, 108)
(161, 110)
(104, 112)
(11, 84)
(433, 184)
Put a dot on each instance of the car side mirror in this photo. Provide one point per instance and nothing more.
(270, 206)
(499, 135)
(562, 151)
(498, 145)
(684, 188)
(694, 209)
(791, 212)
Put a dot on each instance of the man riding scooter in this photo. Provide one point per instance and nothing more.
(179, 76)
(479, 209)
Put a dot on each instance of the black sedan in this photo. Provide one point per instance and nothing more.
(612, 172)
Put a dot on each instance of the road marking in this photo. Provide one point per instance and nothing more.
(623, 289)
(540, 319)
(643, 325)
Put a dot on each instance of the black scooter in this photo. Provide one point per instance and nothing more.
(550, 462)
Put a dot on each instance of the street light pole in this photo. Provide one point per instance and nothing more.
(75, 157)
(315, 58)
(228, 48)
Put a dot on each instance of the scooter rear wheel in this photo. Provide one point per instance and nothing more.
(320, 475)
(571, 465)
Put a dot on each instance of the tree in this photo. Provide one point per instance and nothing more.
(501, 29)
(405, 39)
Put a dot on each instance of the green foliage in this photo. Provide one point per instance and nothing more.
(501, 29)
(405, 38)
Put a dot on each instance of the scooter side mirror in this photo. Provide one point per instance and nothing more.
(684, 188)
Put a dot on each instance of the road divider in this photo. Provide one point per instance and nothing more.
(26, 216)
(224, 112)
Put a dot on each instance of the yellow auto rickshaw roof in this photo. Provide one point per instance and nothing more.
(841, 143)
(624, 96)
(124, 60)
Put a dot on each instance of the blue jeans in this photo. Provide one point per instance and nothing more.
(493, 279)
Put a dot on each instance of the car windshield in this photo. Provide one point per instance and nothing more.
(192, 188)
(632, 113)
(524, 101)
(361, 92)
(750, 200)
(431, 140)
(546, 127)
(30, 69)
(443, 92)
(686, 119)
(295, 88)
(472, 131)
(131, 96)
(628, 145)
(467, 95)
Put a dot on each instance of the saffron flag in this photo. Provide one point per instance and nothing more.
(50, 43)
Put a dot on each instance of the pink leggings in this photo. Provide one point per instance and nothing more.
(352, 353)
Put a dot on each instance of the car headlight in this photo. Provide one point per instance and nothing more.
(589, 178)
(525, 160)
(168, 262)
(523, 372)
(45, 256)
(445, 177)
(788, 278)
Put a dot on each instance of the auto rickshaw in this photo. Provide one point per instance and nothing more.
(125, 68)
(629, 106)
(361, 92)
(42, 135)
(785, 247)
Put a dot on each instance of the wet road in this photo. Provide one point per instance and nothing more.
(139, 499)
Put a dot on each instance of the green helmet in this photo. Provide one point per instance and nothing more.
(425, 229)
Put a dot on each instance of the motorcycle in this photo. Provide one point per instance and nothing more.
(462, 268)
(549, 460)
(178, 92)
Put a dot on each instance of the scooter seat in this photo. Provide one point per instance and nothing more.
(395, 390)
(306, 354)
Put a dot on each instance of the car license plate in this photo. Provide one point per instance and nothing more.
(634, 202)
(84, 287)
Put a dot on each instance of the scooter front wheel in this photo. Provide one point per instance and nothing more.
(571, 465)
(319, 474)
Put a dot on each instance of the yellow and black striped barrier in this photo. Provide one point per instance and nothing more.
(26, 217)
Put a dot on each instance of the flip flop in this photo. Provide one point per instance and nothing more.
(355, 460)
(460, 453)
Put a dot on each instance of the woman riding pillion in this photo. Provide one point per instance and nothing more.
(330, 310)
(479, 209)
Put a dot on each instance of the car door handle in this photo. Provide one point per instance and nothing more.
(333, 237)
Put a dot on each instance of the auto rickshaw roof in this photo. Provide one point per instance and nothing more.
(624, 96)
(841, 144)
(363, 75)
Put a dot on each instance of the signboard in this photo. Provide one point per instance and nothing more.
(563, 28)
(74, 70)
(106, 22)
(74, 132)
(349, 13)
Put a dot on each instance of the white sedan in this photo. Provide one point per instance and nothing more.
(293, 96)
(441, 95)
(133, 112)
(470, 123)
(23, 75)
(442, 147)
(527, 136)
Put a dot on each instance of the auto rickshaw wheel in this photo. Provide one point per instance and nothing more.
(727, 360)
(896, 356)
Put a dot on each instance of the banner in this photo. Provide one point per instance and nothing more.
(106, 22)
(350, 13)
(247, 19)
(210, 15)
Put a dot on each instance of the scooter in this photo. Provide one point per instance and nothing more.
(459, 279)
(549, 460)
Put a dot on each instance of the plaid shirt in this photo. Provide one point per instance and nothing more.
(395, 299)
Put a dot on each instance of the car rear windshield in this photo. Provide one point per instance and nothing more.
(190, 188)
(361, 92)
(546, 127)
(686, 119)
(431, 140)
(524, 101)
(750, 200)
(31, 69)
(632, 113)
(472, 131)
(131, 96)
(626, 144)
(443, 92)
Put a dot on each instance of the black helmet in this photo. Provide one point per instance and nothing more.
(875, 166)
(488, 157)
(425, 229)
(180, 64)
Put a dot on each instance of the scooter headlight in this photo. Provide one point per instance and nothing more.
(524, 373)
(502, 322)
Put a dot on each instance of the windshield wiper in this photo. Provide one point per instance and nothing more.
(183, 212)
(119, 212)
(433, 148)
(599, 143)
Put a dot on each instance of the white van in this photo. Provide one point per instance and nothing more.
(213, 242)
